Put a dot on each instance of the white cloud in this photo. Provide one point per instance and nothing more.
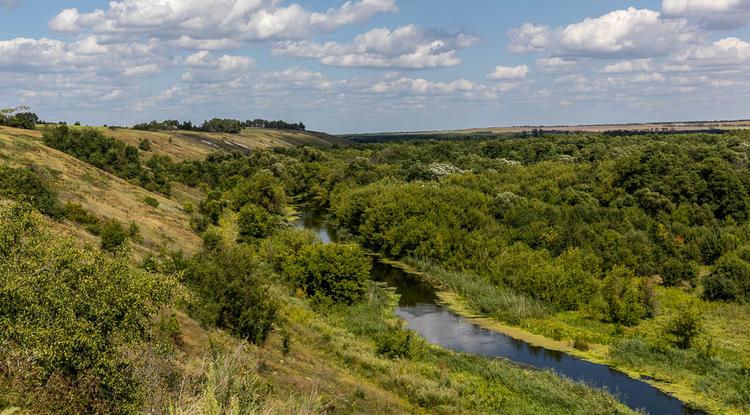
(715, 14)
(726, 51)
(650, 77)
(629, 33)
(530, 38)
(407, 47)
(555, 63)
(502, 73)
(635, 65)
(423, 86)
(208, 68)
(222, 23)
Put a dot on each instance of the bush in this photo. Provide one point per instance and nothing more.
(686, 326)
(255, 222)
(26, 184)
(262, 189)
(230, 294)
(398, 343)
(336, 271)
(623, 297)
(144, 145)
(729, 280)
(113, 235)
(151, 201)
(68, 313)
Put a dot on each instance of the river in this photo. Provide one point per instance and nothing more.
(419, 307)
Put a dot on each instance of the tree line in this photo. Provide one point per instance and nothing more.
(218, 125)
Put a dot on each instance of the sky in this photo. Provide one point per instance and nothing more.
(377, 65)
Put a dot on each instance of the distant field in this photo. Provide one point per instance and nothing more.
(666, 127)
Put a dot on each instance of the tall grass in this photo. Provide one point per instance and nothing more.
(482, 296)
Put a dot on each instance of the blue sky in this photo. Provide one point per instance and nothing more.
(377, 65)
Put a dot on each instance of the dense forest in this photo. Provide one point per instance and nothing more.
(640, 243)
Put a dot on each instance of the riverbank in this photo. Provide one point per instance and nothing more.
(533, 330)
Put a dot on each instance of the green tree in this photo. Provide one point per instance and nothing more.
(255, 222)
(67, 313)
(730, 278)
(622, 297)
(262, 189)
(336, 271)
(113, 235)
(686, 325)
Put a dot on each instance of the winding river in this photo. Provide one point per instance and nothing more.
(419, 307)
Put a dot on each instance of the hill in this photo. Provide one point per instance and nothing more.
(192, 145)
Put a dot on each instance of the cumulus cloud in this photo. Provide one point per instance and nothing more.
(504, 73)
(208, 68)
(715, 14)
(423, 86)
(633, 33)
(407, 47)
(200, 23)
(635, 65)
(726, 51)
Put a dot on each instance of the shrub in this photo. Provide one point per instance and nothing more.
(230, 294)
(144, 145)
(686, 325)
(262, 189)
(398, 343)
(113, 235)
(67, 313)
(623, 297)
(729, 280)
(337, 271)
(28, 185)
(151, 201)
(255, 222)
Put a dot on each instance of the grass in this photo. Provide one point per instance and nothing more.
(713, 375)
(194, 145)
(104, 194)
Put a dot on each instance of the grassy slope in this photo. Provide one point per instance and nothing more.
(190, 145)
(102, 193)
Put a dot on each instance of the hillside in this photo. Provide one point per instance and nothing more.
(191, 145)
(104, 194)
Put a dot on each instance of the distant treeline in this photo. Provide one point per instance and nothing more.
(18, 117)
(219, 125)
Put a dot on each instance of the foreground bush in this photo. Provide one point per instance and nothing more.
(230, 292)
(336, 271)
(67, 316)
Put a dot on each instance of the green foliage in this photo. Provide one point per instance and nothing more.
(230, 292)
(623, 298)
(337, 272)
(398, 343)
(113, 235)
(262, 189)
(686, 326)
(18, 118)
(151, 201)
(27, 184)
(144, 145)
(255, 222)
(108, 154)
(730, 277)
(67, 312)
